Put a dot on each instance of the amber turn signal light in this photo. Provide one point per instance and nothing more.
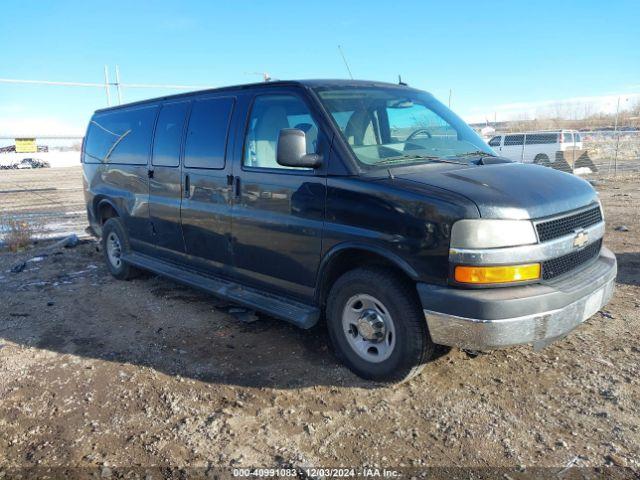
(497, 274)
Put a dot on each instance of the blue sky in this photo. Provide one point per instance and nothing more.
(491, 54)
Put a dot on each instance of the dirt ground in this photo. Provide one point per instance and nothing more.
(149, 379)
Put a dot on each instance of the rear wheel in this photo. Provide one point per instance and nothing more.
(115, 244)
(376, 325)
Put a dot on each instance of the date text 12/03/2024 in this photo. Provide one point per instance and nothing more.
(317, 472)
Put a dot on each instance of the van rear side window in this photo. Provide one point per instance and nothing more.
(207, 135)
(120, 136)
(541, 138)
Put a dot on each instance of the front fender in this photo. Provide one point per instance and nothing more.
(332, 255)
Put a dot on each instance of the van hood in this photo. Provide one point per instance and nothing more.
(508, 190)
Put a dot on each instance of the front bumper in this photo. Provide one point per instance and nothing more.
(485, 319)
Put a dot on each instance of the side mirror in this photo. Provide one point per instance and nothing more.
(292, 150)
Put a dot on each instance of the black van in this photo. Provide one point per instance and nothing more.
(367, 205)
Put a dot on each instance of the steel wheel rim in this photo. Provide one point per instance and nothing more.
(114, 250)
(361, 319)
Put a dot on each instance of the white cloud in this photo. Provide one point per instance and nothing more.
(17, 127)
(11, 108)
(574, 107)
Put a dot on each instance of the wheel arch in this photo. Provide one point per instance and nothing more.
(347, 256)
(105, 209)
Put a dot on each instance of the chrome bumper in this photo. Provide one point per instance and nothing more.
(593, 288)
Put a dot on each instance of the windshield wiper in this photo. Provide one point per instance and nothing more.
(404, 158)
(475, 153)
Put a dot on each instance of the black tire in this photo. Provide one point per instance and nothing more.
(413, 346)
(113, 230)
(542, 159)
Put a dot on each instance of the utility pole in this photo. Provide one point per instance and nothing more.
(106, 85)
(118, 85)
(617, 134)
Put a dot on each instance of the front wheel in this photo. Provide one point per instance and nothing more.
(376, 325)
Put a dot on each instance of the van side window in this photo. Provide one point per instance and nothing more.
(567, 137)
(495, 141)
(206, 142)
(269, 115)
(168, 136)
(120, 136)
(513, 140)
(541, 138)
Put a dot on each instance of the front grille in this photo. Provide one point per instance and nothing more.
(558, 266)
(560, 227)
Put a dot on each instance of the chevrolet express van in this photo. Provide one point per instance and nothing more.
(368, 206)
(549, 148)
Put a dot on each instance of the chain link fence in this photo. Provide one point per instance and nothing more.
(584, 152)
(49, 151)
(613, 152)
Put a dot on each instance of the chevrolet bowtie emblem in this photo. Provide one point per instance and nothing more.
(581, 239)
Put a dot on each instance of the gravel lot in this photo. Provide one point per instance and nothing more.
(108, 378)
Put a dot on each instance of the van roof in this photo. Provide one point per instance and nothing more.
(559, 130)
(271, 84)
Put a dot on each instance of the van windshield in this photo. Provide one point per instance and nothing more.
(395, 126)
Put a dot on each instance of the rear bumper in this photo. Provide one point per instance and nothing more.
(532, 314)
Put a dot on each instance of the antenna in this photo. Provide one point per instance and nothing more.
(400, 82)
(344, 59)
(265, 75)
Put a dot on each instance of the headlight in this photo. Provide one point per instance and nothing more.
(601, 208)
(479, 233)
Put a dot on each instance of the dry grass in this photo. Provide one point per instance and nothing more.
(16, 234)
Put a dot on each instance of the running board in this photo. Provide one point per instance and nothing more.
(297, 313)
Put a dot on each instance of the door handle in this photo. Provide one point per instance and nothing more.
(150, 173)
(237, 187)
(187, 186)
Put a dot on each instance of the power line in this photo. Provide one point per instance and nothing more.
(47, 82)
(154, 85)
(101, 85)
(106, 85)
